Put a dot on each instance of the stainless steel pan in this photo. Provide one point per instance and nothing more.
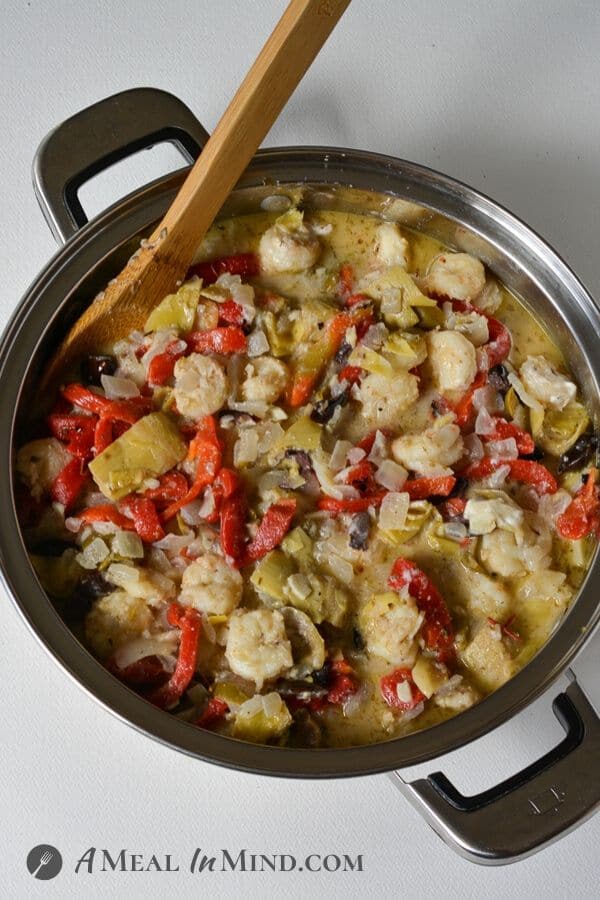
(538, 804)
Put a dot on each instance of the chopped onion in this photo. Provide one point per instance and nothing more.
(299, 585)
(258, 408)
(173, 543)
(489, 398)
(119, 388)
(375, 336)
(551, 506)
(505, 449)
(473, 447)
(242, 294)
(497, 478)
(413, 713)
(379, 450)
(159, 645)
(455, 531)
(393, 511)
(484, 423)
(245, 449)
(340, 568)
(271, 704)
(198, 510)
(268, 435)
(257, 344)
(128, 545)
(95, 552)
(391, 475)
(339, 455)
(524, 396)
(355, 455)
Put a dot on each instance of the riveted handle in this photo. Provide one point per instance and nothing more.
(529, 810)
(101, 135)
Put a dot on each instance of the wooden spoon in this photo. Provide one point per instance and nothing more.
(164, 259)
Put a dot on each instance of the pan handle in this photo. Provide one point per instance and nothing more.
(529, 810)
(101, 135)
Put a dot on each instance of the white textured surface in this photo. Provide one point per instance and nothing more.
(504, 96)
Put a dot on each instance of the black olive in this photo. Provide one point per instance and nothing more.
(90, 587)
(322, 676)
(460, 487)
(324, 409)
(579, 454)
(305, 731)
(536, 455)
(438, 408)
(93, 367)
(344, 351)
(51, 547)
(498, 378)
(303, 459)
(357, 639)
(360, 527)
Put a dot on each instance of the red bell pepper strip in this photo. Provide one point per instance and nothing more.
(362, 475)
(525, 470)
(205, 447)
(369, 439)
(232, 535)
(215, 711)
(438, 630)
(453, 508)
(343, 684)
(464, 409)
(274, 526)
(305, 378)
(146, 672)
(244, 264)
(161, 366)
(504, 430)
(68, 483)
(499, 344)
(231, 313)
(105, 512)
(103, 434)
(229, 339)
(356, 300)
(145, 518)
(121, 410)
(189, 622)
(582, 515)
(351, 374)
(76, 430)
(346, 281)
(389, 690)
(173, 486)
(351, 505)
(421, 488)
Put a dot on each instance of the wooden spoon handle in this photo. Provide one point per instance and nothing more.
(284, 59)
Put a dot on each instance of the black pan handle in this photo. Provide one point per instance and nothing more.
(532, 808)
(101, 135)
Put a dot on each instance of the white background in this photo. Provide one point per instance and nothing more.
(503, 95)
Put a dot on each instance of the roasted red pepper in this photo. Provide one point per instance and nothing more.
(105, 512)
(173, 486)
(500, 341)
(464, 409)
(453, 508)
(231, 313)
(68, 483)
(438, 630)
(226, 340)
(232, 535)
(161, 366)
(121, 410)
(346, 282)
(525, 470)
(189, 622)
(77, 431)
(214, 712)
(343, 684)
(582, 515)
(274, 526)
(504, 430)
(206, 448)
(421, 488)
(103, 434)
(244, 264)
(145, 518)
(351, 374)
(147, 672)
(351, 505)
(389, 690)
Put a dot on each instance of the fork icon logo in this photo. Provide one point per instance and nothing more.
(44, 862)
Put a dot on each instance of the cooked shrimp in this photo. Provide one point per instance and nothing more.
(201, 385)
(257, 645)
(391, 247)
(546, 384)
(285, 249)
(389, 624)
(115, 620)
(452, 359)
(39, 462)
(383, 399)
(458, 276)
(211, 586)
(430, 452)
(266, 379)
